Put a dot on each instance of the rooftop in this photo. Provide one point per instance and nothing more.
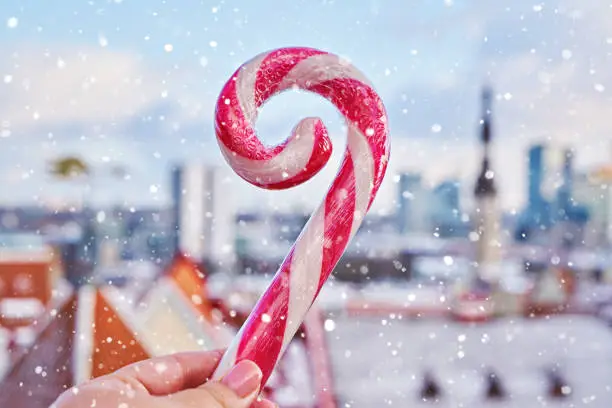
(458, 357)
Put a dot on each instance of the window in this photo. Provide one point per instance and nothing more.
(23, 284)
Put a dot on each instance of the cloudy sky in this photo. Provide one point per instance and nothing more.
(134, 82)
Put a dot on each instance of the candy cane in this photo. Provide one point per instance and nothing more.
(283, 306)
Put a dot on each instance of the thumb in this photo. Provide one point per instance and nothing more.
(237, 389)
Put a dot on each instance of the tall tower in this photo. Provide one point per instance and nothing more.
(204, 216)
(487, 212)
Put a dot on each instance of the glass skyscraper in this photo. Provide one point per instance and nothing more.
(550, 192)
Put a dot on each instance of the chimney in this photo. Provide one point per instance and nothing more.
(430, 391)
(495, 390)
(557, 386)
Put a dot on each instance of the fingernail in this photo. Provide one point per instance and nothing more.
(264, 404)
(244, 379)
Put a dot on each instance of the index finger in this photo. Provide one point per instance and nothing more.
(172, 373)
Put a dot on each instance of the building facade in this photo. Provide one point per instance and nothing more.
(203, 214)
(412, 204)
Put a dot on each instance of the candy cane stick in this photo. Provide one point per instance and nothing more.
(281, 309)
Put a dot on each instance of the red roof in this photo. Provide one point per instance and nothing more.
(55, 361)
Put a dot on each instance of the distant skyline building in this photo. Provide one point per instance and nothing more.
(551, 202)
(109, 238)
(564, 192)
(412, 204)
(432, 210)
(487, 212)
(538, 207)
(445, 210)
(203, 213)
(594, 195)
(602, 176)
(570, 215)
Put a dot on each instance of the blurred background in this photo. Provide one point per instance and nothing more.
(481, 276)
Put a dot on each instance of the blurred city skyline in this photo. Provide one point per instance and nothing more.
(84, 80)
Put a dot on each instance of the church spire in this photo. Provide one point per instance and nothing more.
(485, 184)
(486, 115)
(487, 211)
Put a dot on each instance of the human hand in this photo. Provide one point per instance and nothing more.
(174, 381)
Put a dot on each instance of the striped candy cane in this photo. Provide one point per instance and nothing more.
(281, 309)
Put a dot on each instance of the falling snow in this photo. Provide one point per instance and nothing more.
(110, 156)
(102, 40)
(12, 22)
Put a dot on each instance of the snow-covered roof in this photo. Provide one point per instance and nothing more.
(459, 355)
(21, 308)
(172, 324)
(24, 247)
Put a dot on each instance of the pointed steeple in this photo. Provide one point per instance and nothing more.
(485, 118)
(485, 185)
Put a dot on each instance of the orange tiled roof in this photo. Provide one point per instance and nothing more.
(55, 361)
(192, 283)
(114, 343)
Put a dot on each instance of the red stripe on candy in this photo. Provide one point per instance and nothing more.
(339, 213)
(275, 67)
(262, 337)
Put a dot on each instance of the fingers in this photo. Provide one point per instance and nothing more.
(238, 389)
(170, 374)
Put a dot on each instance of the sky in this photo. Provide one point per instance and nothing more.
(135, 82)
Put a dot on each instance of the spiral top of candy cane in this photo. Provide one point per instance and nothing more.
(280, 311)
